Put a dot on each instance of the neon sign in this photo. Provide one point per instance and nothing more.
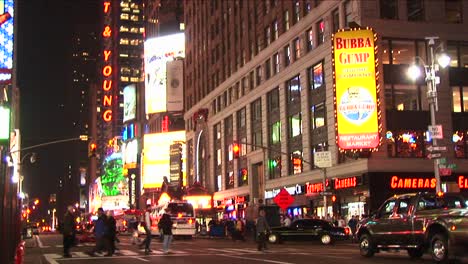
(314, 188)
(462, 182)
(107, 83)
(345, 183)
(412, 183)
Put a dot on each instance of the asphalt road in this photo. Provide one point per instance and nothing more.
(47, 249)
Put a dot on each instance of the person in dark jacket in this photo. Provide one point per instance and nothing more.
(112, 232)
(262, 229)
(100, 231)
(68, 231)
(165, 224)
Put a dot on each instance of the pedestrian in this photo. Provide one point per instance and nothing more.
(147, 225)
(133, 223)
(100, 232)
(112, 232)
(352, 223)
(262, 229)
(165, 225)
(287, 220)
(68, 231)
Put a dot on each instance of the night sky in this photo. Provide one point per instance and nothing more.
(43, 68)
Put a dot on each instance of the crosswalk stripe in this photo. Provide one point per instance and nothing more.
(79, 254)
(126, 252)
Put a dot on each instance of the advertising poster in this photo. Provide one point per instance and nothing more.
(6, 37)
(158, 52)
(175, 85)
(356, 94)
(156, 159)
(129, 102)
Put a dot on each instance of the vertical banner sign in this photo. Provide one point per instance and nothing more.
(6, 43)
(107, 84)
(356, 103)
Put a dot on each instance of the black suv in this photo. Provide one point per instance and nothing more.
(418, 222)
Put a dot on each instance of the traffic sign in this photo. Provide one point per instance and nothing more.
(452, 166)
(326, 193)
(437, 148)
(445, 171)
(436, 131)
(434, 155)
(322, 159)
(283, 199)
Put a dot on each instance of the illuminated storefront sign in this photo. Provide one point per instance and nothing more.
(356, 90)
(6, 43)
(462, 182)
(292, 190)
(412, 183)
(199, 201)
(129, 102)
(345, 183)
(107, 80)
(158, 52)
(156, 159)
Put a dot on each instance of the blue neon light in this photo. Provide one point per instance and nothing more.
(6, 37)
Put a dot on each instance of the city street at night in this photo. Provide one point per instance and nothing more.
(48, 249)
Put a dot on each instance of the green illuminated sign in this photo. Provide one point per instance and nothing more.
(113, 181)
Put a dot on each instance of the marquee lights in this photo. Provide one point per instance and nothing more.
(107, 70)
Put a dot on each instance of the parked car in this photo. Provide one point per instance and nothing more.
(418, 222)
(309, 229)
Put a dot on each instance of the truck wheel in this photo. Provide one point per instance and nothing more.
(439, 248)
(366, 246)
(415, 252)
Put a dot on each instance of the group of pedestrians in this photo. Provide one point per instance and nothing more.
(105, 232)
(165, 230)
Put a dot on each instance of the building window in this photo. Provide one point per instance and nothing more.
(316, 76)
(273, 100)
(257, 111)
(454, 11)
(218, 183)
(296, 164)
(294, 90)
(407, 144)
(320, 32)
(286, 20)
(406, 97)
(251, 80)
(287, 55)
(229, 180)
(275, 29)
(267, 35)
(267, 69)
(295, 125)
(460, 99)
(243, 177)
(348, 12)
(460, 140)
(276, 63)
(217, 131)
(297, 48)
(310, 39)
(258, 72)
(241, 121)
(274, 165)
(275, 132)
(297, 11)
(308, 6)
(389, 9)
(415, 10)
(336, 20)
(317, 114)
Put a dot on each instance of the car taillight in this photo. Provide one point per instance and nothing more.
(190, 221)
(347, 231)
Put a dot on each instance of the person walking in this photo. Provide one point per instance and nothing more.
(111, 232)
(68, 231)
(133, 223)
(147, 224)
(165, 224)
(100, 231)
(262, 229)
(352, 223)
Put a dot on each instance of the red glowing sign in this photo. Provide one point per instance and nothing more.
(314, 188)
(165, 124)
(412, 183)
(345, 183)
(462, 182)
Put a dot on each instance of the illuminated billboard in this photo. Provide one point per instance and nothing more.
(129, 102)
(156, 159)
(158, 52)
(113, 182)
(356, 106)
(6, 37)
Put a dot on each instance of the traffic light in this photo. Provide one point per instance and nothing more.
(235, 150)
(333, 198)
(92, 149)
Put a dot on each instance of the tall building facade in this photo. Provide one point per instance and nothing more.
(261, 74)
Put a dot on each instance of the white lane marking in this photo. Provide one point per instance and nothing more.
(126, 252)
(256, 259)
(39, 242)
(142, 259)
(50, 258)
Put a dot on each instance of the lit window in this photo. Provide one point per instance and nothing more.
(295, 124)
(276, 132)
(318, 115)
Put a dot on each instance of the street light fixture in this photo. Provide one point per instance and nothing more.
(19, 174)
(432, 80)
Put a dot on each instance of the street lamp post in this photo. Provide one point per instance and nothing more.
(20, 172)
(431, 81)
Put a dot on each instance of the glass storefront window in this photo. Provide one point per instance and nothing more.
(403, 52)
(295, 125)
(407, 144)
(385, 47)
(464, 56)
(406, 97)
(276, 132)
